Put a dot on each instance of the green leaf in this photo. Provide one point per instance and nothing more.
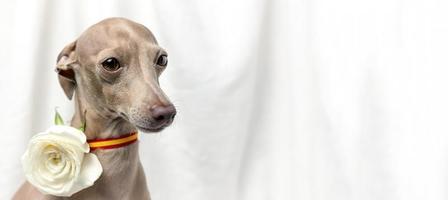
(57, 118)
(83, 126)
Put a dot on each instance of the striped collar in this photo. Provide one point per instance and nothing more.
(112, 143)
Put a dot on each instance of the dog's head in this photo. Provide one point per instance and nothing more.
(115, 65)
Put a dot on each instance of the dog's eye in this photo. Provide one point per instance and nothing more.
(162, 60)
(111, 64)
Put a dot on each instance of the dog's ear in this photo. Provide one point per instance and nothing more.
(64, 67)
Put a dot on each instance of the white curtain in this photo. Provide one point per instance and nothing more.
(277, 100)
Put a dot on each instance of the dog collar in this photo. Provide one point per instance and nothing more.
(112, 143)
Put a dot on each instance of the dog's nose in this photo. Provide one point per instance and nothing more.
(163, 113)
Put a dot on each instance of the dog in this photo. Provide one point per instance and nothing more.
(112, 73)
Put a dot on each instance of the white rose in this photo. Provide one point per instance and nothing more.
(58, 161)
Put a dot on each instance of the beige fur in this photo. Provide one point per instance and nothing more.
(116, 103)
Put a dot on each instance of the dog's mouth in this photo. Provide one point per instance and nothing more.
(151, 123)
(150, 129)
(153, 129)
(146, 129)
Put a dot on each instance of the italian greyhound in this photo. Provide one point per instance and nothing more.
(112, 72)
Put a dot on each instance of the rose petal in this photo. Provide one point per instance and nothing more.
(68, 131)
(62, 134)
(91, 169)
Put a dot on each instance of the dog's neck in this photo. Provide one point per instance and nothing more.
(100, 123)
(123, 175)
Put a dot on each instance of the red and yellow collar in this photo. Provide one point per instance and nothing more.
(112, 143)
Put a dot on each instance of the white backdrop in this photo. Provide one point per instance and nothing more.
(277, 100)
